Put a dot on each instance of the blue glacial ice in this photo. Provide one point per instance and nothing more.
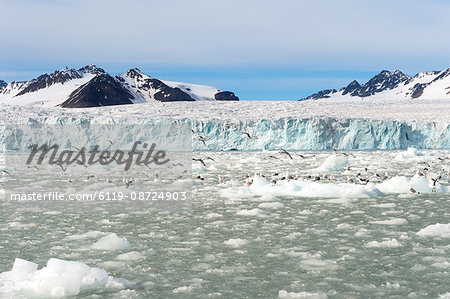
(290, 134)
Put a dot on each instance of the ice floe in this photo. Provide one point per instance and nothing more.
(58, 278)
(435, 230)
(111, 242)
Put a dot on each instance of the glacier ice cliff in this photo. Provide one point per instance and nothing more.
(321, 134)
(290, 134)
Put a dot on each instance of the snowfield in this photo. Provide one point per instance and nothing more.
(436, 110)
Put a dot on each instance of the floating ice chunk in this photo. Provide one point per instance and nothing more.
(445, 296)
(319, 265)
(183, 289)
(384, 205)
(111, 242)
(271, 205)
(394, 221)
(236, 242)
(410, 152)
(24, 266)
(88, 235)
(394, 285)
(286, 294)
(435, 230)
(386, 243)
(397, 184)
(213, 215)
(334, 163)
(401, 184)
(252, 212)
(130, 256)
(59, 278)
(362, 232)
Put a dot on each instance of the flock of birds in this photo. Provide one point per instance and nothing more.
(354, 175)
(433, 172)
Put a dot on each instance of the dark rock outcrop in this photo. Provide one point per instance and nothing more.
(164, 92)
(323, 94)
(103, 90)
(169, 94)
(383, 81)
(417, 90)
(226, 96)
(3, 84)
(352, 87)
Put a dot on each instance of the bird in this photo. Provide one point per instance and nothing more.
(411, 189)
(273, 182)
(3, 171)
(199, 160)
(89, 177)
(283, 151)
(127, 182)
(202, 139)
(248, 135)
(431, 181)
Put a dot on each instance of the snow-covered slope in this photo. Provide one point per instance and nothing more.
(91, 86)
(393, 85)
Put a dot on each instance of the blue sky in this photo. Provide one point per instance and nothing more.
(268, 50)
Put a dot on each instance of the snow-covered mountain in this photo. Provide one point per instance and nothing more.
(392, 85)
(91, 86)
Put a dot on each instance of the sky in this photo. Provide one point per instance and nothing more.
(260, 49)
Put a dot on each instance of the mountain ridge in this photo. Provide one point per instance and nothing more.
(91, 86)
(434, 84)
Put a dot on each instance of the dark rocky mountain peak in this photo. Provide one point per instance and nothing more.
(423, 74)
(3, 84)
(135, 73)
(45, 80)
(352, 87)
(102, 90)
(92, 69)
(323, 94)
(383, 81)
(418, 89)
(445, 73)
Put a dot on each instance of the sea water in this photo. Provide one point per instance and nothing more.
(254, 235)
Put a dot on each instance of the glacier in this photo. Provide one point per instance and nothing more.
(288, 133)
